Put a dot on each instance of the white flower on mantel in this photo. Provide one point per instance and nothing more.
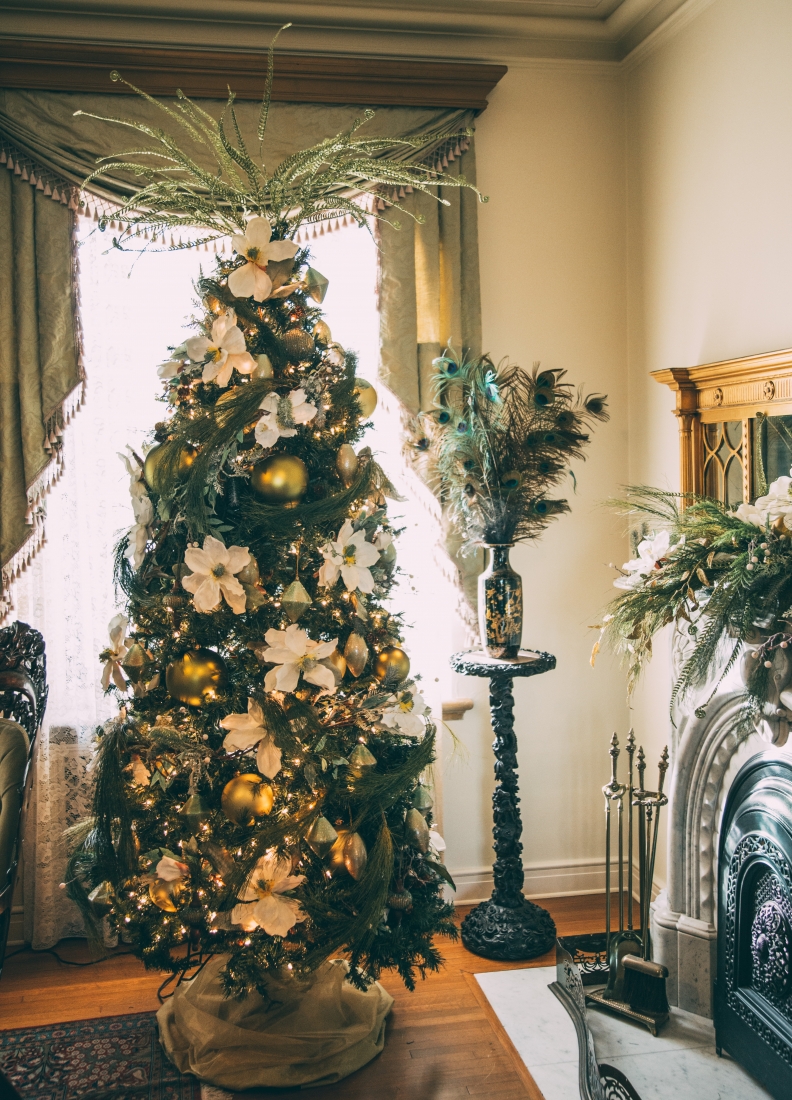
(116, 651)
(350, 556)
(650, 552)
(224, 353)
(142, 509)
(279, 416)
(295, 655)
(263, 902)
(212, 577)
(171, 870)
(251, 279)
(247, 731)
(404, 713)
(766, 509)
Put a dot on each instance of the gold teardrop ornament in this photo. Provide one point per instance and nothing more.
(280, 479)
(422, 800)
(361, 759)
(367, 397)
(356, 653)
(321, 837)
(322, 333)
(101, 899)
(295, 600)
(153, 467)
(249, 574)
(196, 678)
(316, 284)
(168, 896)
(137, 663)
(347, 464)
(349, 852)
(196, 810)
(392, 665)
(417, 830)
(246, 797)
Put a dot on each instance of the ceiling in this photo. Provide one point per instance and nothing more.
(481, 30)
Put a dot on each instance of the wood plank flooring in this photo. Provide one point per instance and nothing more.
(443, 1041)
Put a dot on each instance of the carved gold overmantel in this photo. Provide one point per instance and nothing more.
(712, 400)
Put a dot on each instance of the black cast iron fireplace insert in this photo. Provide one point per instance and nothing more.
(753, 989)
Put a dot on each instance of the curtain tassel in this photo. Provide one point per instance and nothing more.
(10, 164)
(48, 190)
(17, 169)
(40, 185)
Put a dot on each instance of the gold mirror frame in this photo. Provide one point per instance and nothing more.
(719, 393)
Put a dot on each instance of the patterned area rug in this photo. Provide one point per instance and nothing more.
(107, 1059)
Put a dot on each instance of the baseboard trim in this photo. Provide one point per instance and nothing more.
(542, 880)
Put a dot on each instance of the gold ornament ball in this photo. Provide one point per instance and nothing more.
(246, 797)
(168, 895)
(322, 333)
(392, 665)
(280, 479)
(336, 662)
(197, 677)
(153, 465)
(366, 395)
(298, 345)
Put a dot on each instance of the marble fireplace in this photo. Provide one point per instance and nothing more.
(707, 756)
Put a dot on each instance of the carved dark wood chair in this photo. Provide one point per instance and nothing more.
(23, 698)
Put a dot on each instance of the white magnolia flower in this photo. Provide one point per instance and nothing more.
(350, 555)
(117, 650)
(223, 353)
(171, 870)
(212, 577)
(280, 414)
(257, 248)
(170, 368)
(140, 773)
(404, 713)
(142, 509)
(383, 540)
(248, 730)
(296, 654)
(766, 509)
(650, 551)
(264, 905)
(436, 842)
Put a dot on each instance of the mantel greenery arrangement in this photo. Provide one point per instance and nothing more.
(717, 573)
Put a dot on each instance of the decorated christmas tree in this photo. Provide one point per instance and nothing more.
(260, 794)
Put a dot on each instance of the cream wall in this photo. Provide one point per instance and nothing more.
(709, 196)
(550, 157)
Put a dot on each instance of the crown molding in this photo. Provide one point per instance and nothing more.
(470, 30)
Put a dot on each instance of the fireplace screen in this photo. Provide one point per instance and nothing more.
(753, 991)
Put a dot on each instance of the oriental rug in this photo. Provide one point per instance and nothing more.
(115, 1058)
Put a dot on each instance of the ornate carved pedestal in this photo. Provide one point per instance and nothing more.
(508, 926)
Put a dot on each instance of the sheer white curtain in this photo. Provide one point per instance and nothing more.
(132, 308)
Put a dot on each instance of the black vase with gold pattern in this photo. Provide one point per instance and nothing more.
(500, 604)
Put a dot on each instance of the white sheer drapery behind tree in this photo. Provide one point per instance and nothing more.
(132, 309)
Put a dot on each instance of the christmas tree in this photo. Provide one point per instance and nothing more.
(260, 794)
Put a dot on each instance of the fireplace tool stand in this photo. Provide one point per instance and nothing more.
(508, 926)
(627, 799)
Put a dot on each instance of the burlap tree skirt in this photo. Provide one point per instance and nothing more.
(307, 1033)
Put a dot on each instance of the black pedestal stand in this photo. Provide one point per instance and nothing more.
(508, 926)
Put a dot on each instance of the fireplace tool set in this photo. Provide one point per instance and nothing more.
(635, 984)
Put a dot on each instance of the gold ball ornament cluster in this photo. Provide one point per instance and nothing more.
(153, 472)
(279, 479)
(197, 677)
(168, 896)
(391, 665)
(246, 797)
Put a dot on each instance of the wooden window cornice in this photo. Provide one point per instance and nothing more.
(299, 78)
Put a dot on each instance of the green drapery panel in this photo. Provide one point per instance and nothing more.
(430, 296)
(40, 363)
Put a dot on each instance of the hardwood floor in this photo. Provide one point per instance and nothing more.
(443, 1043)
